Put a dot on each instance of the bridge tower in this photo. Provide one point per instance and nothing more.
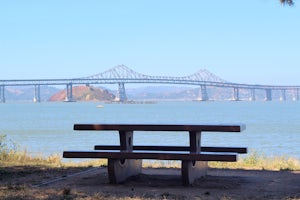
(296, 94)
(2, 94)
(37, 94)
(252, 94)
(283, 95)
(236, 94)
(268, 95)
(203, 96)
(121, 94)
(69, 93)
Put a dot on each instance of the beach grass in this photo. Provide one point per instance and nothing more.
(258, 161)
(251, 161)
(19, 165)
(10, 155)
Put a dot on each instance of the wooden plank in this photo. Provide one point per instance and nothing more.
(174, 148)
(195, 139)
(225, 149)
(161, 127)
(155, 156)
(126, 138)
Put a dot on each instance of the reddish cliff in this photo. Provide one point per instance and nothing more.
(85, 93)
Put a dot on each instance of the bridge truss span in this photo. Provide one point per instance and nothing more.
(122, 75)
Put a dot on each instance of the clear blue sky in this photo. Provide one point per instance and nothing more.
(255, 41)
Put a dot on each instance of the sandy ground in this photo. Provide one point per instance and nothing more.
(92, 183)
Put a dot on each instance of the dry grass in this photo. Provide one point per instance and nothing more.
(161, 164)
(21, 173)
(257, 161)
(251, 161)
(10, 156)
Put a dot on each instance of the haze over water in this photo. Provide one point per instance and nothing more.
(272, 128)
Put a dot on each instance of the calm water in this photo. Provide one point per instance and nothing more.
(46, 128)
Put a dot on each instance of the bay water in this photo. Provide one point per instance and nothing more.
(272, 128)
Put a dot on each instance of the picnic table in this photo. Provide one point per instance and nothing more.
(125, 160)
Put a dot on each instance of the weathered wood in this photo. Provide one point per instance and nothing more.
(161, 127)
(240, 150)
(154, 156)
(126, 138)
(195, 141)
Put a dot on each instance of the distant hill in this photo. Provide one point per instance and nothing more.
(185, 93)
(85, 93)
(160, 92)
(26, 93)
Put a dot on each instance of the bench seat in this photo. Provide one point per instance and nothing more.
(240, 150)
(232, 157)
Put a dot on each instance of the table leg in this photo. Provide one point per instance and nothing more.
(192, 170)
(120, 169)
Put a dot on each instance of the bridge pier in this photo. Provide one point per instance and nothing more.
(283, 95)
(268, 95)
(37, 94)
(236, 95)
(69, 93)
(121, 93)
(2, 94)
(296, 94)
(252, 94)
(203, 96)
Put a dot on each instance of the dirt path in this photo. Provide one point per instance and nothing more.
(166, 184)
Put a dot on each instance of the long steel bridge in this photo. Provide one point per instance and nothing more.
(122, 75)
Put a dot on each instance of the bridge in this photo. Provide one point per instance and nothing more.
(122, 75)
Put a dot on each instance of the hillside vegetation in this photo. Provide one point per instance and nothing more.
(85, 93)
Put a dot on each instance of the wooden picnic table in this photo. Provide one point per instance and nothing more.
(125, 160)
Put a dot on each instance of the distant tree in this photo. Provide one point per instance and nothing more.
(287, 2)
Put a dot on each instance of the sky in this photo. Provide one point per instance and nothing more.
(255, 42)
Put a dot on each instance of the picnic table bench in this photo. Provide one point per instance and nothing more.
(125, 160)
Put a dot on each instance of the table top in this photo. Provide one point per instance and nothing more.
(163, 127)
